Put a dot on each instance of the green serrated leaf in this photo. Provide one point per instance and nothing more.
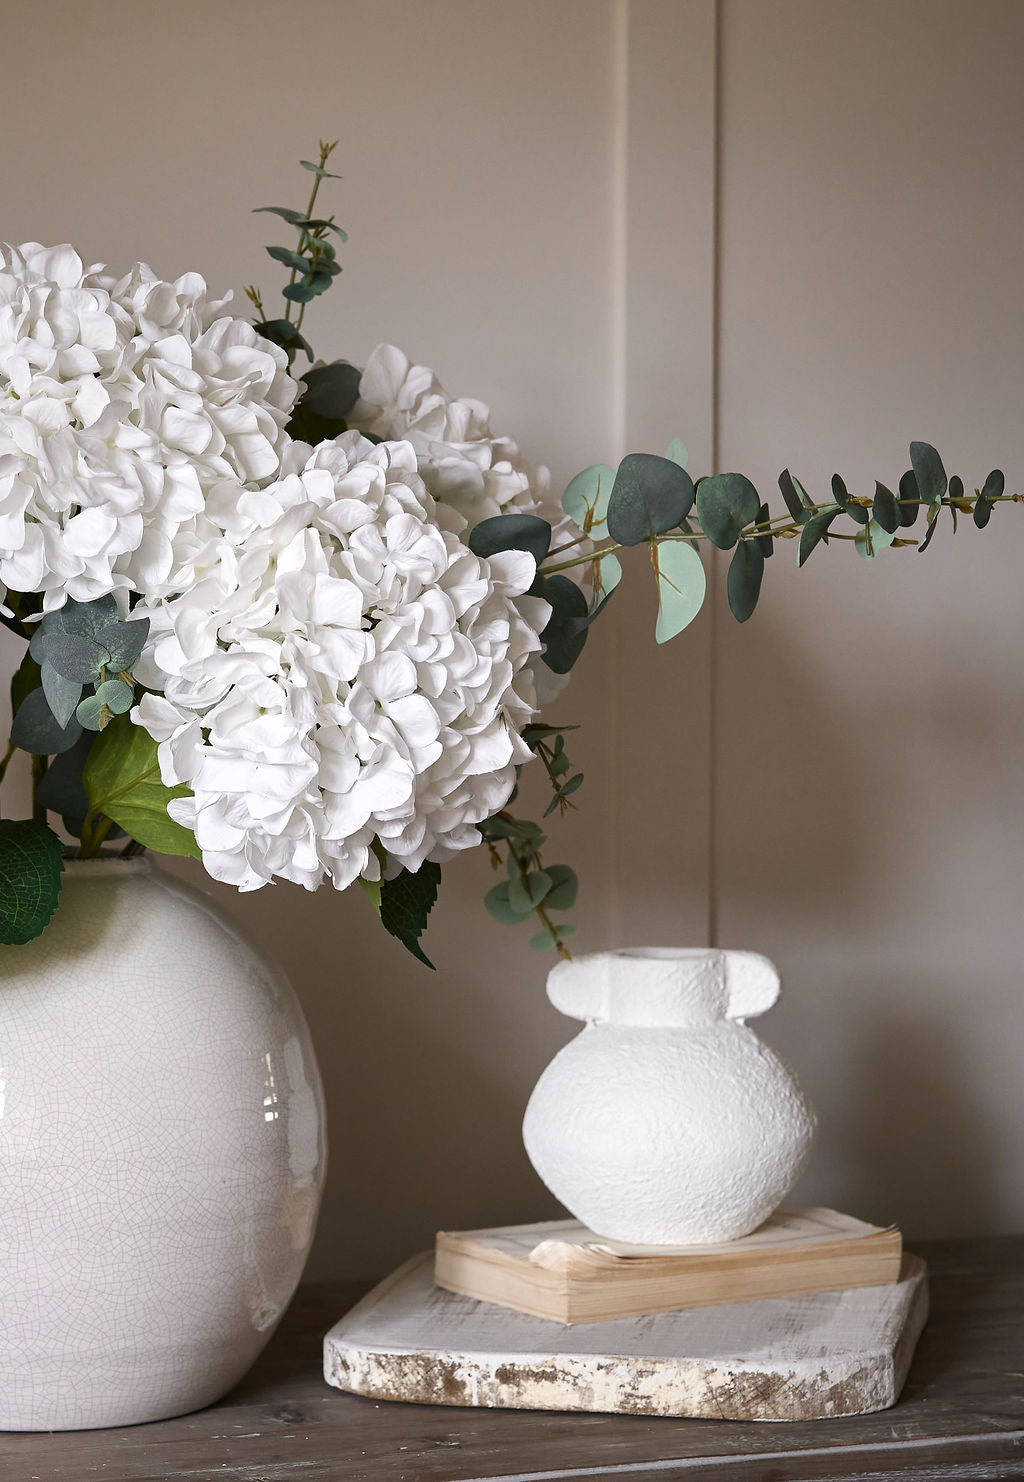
(31, 864)
(650, 496)
(511, 533)
(406, 902)
(122, 782)
(743, 583)
(586, 499)
(682, 584)
(726, 504)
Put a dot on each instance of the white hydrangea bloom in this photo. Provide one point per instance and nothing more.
(341, 669)
(125, 404)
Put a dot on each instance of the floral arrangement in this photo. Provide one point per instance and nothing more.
(301, 625)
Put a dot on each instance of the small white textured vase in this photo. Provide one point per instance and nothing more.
(666, 1121)
(161, 1151)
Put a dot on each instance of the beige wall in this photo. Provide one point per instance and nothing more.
(532, 191)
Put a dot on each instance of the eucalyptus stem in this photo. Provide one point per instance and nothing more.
(325, 154)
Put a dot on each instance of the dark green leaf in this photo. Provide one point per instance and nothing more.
(405, 904)
(849, 506)
(933, 525)
(994, 486)
(124, 641)
(86, 618)
(928, 471)
(885, 509)
(62, 790)
(74, 656)
(650, 495)
(536, 731)
(816, 529)
(765, 544)
(564, 888)
(500, 907)
(122, 782)
(793, 494)
(62, 695)
(566, 631)
(290, 259)
(910, 496)
(282, 332)
(511, 533)
(324, 223)
(31, 864)
(956, 491)
(726, 503)
(743, 583)
(309, 428)
(26, 678)
(285, 212)
(37, 730)
(331, 390)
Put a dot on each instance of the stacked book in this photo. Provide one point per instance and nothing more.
(558, 1269)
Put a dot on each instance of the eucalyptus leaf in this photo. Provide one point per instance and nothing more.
(290, 258)
(796, 499)
(566, 631)
(31, 865)
(586, 497)
(606, 573)
(910, 496)
(765, 543)
(872, 539)
(933, 525)
(816, 529)
(551, 936)
(993, 488)
(86, 618)
(319, 170)
(301, 292)
(525, 892)
(117, 696)
(928, 471)
(564, 888)
(512, 533)
(885, 509)
(122, 782)
(849, 506)
(297, 218)
(282, 332)
(682, 584)
(36, 728)
(726, 504)
(62, 695)
(124, 642)
(743, 583)
(500, 907)
(331, 390)
(676, 452)
(74, 656)
(406, 902)
(650, 496)
(26, 678)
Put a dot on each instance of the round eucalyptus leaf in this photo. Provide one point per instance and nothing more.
(551, 936)
(566, 631)
(928, 471)
(90, 713)
(726, 504)
(682, 584)
(500, 907)
(743, 583)
(650, 495)
(564, 888)
(526, 892)
(117, 696)
(511, 533)
(586, 498)
(885, 509)
(75, 656)
(124, 641)
(62, 695)
(331, 390)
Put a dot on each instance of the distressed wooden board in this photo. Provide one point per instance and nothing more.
(824, 1354)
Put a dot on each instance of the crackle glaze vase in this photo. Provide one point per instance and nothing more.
(161, 1151)
(666, 1121)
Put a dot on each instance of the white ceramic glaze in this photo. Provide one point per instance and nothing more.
(666, 1121)
(161, 1154)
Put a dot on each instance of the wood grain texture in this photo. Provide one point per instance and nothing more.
(804, 1357)
(960, 1418)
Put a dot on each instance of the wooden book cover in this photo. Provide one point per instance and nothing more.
(559, 1269)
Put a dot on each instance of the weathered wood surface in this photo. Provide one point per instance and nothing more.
(960, 1418)
(806, 1357)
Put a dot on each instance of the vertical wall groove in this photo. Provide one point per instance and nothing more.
(716, 451)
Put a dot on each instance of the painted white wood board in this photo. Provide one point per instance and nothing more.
(820, 1355)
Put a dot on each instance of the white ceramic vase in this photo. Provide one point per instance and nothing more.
(666, 1121)
(161, 1150)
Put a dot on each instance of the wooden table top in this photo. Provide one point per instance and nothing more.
(960, 1419)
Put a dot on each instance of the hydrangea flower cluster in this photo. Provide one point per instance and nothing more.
(342, 670)
(125, 405)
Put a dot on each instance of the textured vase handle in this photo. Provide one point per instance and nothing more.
(752, 983)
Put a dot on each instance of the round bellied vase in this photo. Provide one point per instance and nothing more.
(666, 1121)
(162, 1153)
